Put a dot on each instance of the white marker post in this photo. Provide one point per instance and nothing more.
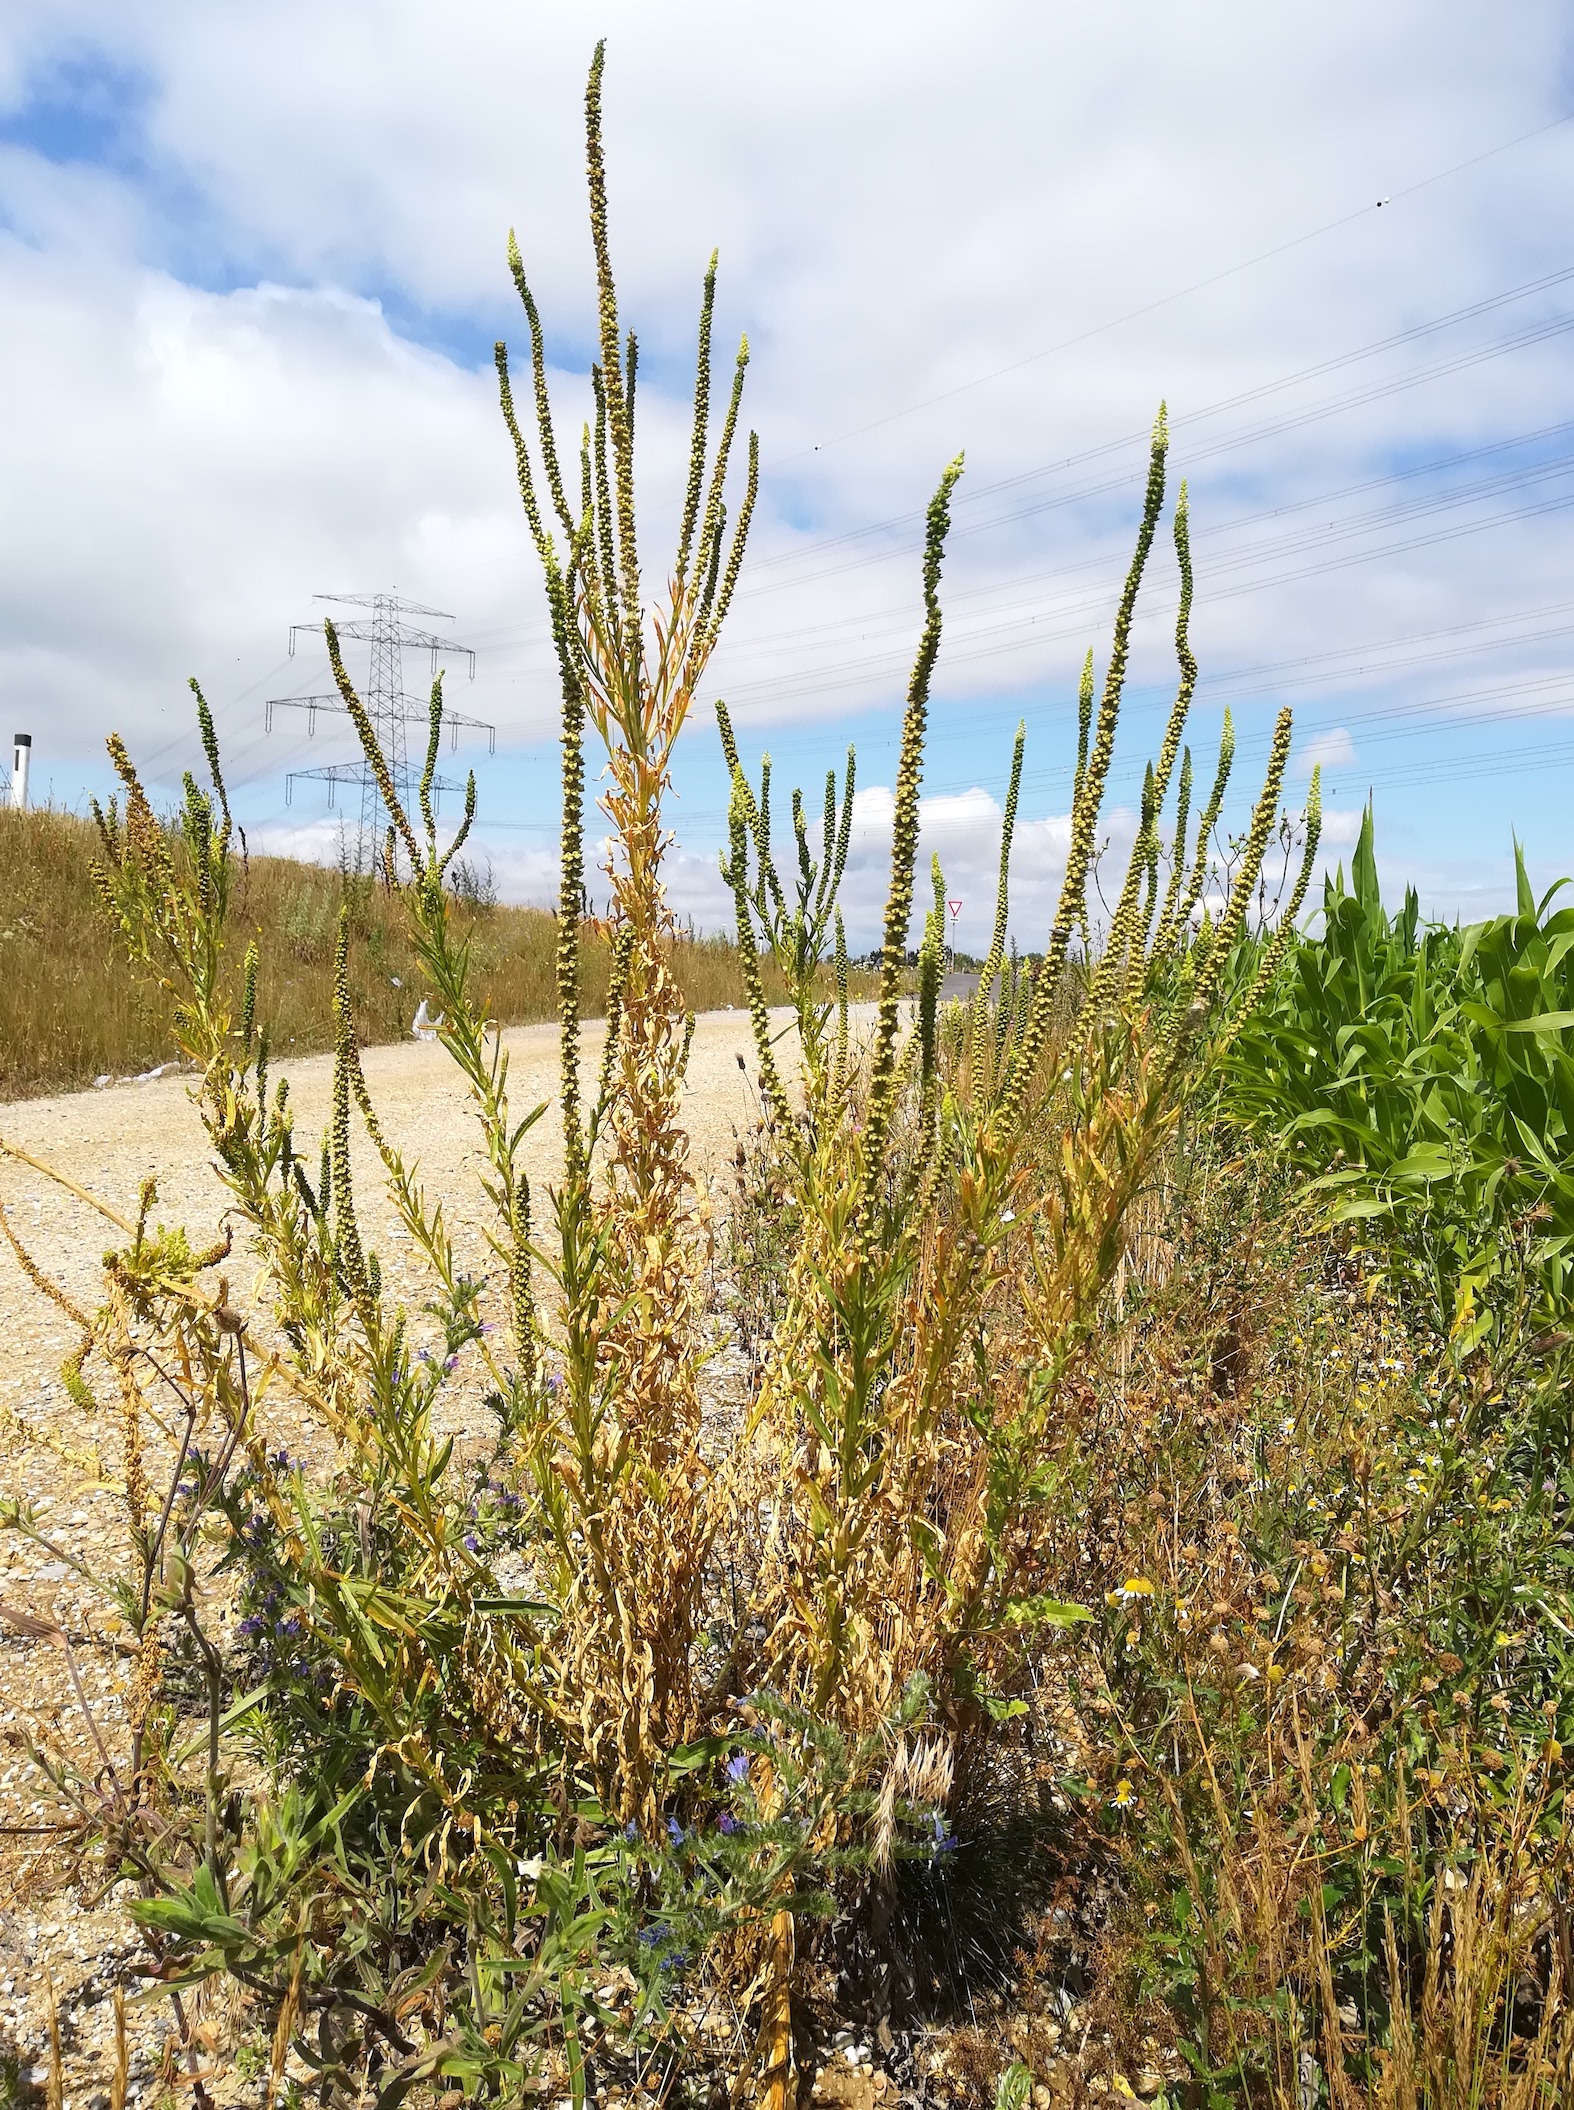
(956, 909)
(21, 761)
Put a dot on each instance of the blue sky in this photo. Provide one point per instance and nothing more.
(252, 264)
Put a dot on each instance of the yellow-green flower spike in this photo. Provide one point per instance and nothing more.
(1264, 814)
(904, 836)
(1210, 815)
(1274, 950)
(1090, 798)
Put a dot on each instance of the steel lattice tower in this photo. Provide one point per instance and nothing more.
(390, 710)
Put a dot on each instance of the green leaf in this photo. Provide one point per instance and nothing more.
(393, 2094)
(227, 1720)
(693, 1758)
(1045, 1611)
(1427, 1161)
(1000, 1710)
(1543, 1022)
(1014, 2087)
(1363, 871)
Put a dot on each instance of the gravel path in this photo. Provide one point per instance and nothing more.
(110, 1141)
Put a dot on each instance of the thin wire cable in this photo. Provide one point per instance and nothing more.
(1200, 285)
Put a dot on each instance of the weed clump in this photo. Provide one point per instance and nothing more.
(1053, 1620)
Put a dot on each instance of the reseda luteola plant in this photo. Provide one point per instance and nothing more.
(480, 1777)
(962, 1215)
(620, 1463)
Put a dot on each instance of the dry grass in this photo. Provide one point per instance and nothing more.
(1317, 1774)
(72, 1009)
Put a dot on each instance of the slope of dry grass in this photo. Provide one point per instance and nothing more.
(72, 1010)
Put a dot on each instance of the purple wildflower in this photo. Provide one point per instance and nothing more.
(738, 1767)
(727, 1823)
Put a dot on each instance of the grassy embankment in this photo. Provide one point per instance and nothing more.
(71, 1009)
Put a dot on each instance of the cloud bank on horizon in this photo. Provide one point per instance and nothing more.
(252, 265)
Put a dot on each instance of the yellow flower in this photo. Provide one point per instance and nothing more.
(1135, 1586)
(1124, 1796)
(1275, 1673)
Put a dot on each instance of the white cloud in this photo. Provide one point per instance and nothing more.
(192, 466)
(963, 830)
(1330, 750)
(1341, 826)
(906, 199)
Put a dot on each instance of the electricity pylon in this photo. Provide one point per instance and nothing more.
(387, 706)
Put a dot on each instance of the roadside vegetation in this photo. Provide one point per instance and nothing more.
(1118, 1644)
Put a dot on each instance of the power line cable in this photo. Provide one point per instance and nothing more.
(752, 696)
(1200, 285)
(1261, 552)
(1534, 333)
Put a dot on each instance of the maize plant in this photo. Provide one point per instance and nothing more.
(1425, 1072)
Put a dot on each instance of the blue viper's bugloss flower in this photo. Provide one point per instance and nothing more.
(945, 1841)
(738, 1768)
